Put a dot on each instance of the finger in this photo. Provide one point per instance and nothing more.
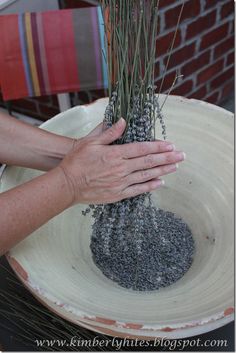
(138, 189)
(113, 133)
(149, 174)
(154, 160)
(97, 131)
(139, 149)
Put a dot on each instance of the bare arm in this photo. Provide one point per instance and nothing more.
(27, 207)
(27, 146)
(92, 172)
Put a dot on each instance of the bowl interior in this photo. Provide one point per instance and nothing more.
(57, 257)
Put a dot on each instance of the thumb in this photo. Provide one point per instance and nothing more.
(113, 133)
(97, 131)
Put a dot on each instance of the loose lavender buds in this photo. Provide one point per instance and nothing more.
(141, 247)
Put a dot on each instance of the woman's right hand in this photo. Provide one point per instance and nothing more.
(97, 172)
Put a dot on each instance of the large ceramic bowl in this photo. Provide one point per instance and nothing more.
(55, 262)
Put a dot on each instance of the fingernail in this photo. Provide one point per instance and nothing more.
(170, 147)
(159, 182)
(181, 156)
(171, 167)
(177, 165)
(120, 121)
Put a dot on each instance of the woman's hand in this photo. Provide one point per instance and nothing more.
(93, 171)
(97, 172)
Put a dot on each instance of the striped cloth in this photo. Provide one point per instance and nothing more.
(52, 52)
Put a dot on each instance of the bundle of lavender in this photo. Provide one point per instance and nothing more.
(134, 243)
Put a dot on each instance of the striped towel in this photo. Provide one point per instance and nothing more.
(52, 52)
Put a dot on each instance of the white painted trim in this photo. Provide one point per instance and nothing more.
(64, 101)
(5, 3)
(25, 118)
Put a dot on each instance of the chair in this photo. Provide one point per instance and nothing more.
(52, 52)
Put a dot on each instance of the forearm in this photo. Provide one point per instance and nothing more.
(24, 145)
(28, 206)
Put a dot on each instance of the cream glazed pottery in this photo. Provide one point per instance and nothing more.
(55, 262)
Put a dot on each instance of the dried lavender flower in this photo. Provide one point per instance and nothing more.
(134, 243)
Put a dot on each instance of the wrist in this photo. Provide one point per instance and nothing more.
(54, 150)
(66, 185)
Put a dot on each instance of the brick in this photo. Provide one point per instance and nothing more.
(214, 36)
(71, 4)
(196, 64)
(211, 3)
(191, 10)
(199, 94)
(230, 59)
(183, 89)
(227, 90)
(31, 113)
(180, 56)
(213, 97)
(224, 47)
(200, 25)
(164, 43)
(85, 97)
(25, 104)
(157, 69)
(44, 99)
(227, 9)
(167, 83)
(210, 72)
(98, 93)
(222, 78)
(165, 3)
(55, 101)
(48, 112)
(231, 27)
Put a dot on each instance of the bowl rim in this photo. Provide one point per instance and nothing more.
(226, 315)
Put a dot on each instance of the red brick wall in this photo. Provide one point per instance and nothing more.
(203, 53)
(70, 4)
